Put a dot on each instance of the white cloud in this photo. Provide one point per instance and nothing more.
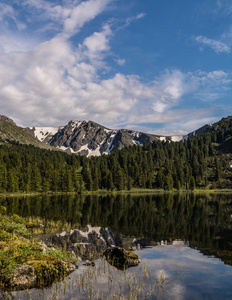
(121, 61)
(210, 86)
(7, 11)
(83, 13)
(217, 46)
(215, 79)
(51, 82)
(54, 83)
(159, 106)
(83, 72)
(95, 46)
(168, 90)
(134, 18)
(140, 16)
(224, 6)
(50, 10)
(175, 122)
(227, 35)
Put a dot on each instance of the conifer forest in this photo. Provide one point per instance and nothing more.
(202, 162)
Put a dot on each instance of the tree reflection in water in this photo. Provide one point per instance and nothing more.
(204, 220)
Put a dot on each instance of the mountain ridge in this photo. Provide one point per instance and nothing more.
(10, 131)
(92, 139)
(202, 161)
(84, 137)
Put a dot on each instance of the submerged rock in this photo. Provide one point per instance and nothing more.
(121, 258)
(89, 263)
(23, 277)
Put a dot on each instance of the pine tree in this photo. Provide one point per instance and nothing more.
(3, 178)
(218, 169)
(168, 182)
(129, 183)
(96, 180)
(192, 183)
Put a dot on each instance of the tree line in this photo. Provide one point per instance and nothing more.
(184, 165)
(161, 216)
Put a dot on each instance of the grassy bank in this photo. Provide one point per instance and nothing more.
(17, 250)
(114, 192)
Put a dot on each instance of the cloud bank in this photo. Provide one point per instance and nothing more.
(49, 81)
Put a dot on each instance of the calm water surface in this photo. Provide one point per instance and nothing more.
(186, 244)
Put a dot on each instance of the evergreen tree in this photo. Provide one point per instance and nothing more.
(192, 183)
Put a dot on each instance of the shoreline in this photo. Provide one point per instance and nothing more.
(105, 192)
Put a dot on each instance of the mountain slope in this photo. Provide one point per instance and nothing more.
(221, 135)
(10, 131)
(92, 139)
(204, 161)
(83, 137)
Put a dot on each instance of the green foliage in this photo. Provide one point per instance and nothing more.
(16, 248)
(192, 183)
(61, 255)
(163, 165)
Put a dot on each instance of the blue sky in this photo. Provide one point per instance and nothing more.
(158, 66)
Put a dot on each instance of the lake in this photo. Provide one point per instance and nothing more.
(184, 241)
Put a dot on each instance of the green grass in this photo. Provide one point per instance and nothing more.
(114, 192)
(18, 248)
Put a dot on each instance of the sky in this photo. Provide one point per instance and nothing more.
(157, 66)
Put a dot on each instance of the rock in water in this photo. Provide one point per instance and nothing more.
(23, 277)
(121, 258)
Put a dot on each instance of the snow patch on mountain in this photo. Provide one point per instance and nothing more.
(90, 152)
(177, 138)
(92, 139)
(64, 148)
(109, 148)
(42, 132)
(107, 130)
(75, 124)
(137, 142)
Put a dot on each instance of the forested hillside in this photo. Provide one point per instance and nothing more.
(203, 161)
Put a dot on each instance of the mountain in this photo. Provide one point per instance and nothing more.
(198, 131)
(84, 137)
(221, 135)
(10, 131)
(204, 161)
(91, 139)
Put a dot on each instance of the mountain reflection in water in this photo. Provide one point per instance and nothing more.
(185, 239)
(173, 271)
(204, 220)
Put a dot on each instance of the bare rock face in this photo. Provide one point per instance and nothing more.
(84, 137)
(84, 242)
(23, 277)
(6, 119)
(122, 139)
(78, 134)
(89, 138)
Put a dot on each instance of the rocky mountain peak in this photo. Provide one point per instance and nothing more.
(6, 119)
(92, 139)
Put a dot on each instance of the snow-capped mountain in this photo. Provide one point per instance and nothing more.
(89, 138)
(84, 137)
(44, 134)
